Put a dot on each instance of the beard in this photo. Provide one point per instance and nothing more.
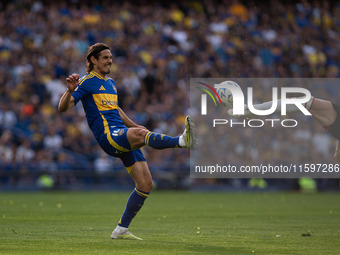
(105, 70)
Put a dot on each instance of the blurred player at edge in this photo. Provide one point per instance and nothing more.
(326, 113)
(118, 135)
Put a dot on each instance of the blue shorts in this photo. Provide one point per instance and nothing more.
(117, 145)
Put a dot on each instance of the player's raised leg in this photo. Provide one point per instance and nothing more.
(139, 137)
(141, 175)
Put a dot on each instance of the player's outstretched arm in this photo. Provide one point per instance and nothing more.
(67, 101)
(127, 121)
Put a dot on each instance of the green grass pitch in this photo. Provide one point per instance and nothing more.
(171, 223)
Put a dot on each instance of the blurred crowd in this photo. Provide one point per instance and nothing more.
(157, 47)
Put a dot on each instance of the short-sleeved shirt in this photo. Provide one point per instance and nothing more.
(100, 102)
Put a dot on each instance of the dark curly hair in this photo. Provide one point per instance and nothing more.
(94, 50)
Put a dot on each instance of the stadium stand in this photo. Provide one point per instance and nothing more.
(157, 47)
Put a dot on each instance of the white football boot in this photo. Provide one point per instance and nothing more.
(188, 136)
(123, 233)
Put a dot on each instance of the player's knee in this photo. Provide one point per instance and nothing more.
(146, 185)
(149, 186)
(140, 133)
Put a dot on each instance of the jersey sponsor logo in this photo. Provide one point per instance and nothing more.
(121, 132)
(105, 102)
(109, 102)
(102, 88)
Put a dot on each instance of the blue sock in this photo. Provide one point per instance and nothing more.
(134, 204)
(160, 141)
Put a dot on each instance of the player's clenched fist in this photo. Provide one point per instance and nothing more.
(72, 81)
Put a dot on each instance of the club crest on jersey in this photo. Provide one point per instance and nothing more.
(118, 132)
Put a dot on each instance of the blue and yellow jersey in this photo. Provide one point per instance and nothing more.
(100, 102)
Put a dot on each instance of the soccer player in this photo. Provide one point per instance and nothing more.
(326, 113)
(118, 135)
